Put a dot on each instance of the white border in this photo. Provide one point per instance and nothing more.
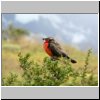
(98, 49)
(48, 86)
(0, 49)
(50, 0)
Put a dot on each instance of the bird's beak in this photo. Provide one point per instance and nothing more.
(43, 39)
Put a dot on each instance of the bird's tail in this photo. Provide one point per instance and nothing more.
(73, 61)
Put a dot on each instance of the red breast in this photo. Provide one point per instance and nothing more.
(48, 51)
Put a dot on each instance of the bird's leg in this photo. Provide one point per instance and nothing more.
(53, 58)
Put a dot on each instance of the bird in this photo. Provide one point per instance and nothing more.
(54, 50)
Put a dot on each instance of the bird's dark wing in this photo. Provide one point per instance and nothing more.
(58, 45)
(56, 51)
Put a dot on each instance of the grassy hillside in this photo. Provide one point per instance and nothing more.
(11, 63)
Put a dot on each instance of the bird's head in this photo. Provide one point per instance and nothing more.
(49, 39)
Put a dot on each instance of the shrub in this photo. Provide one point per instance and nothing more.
(90, 79)
(52, 73)
(10, 81)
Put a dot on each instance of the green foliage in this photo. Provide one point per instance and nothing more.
(84, 72)
(10, 81)
(52, 73)
(90, 80)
